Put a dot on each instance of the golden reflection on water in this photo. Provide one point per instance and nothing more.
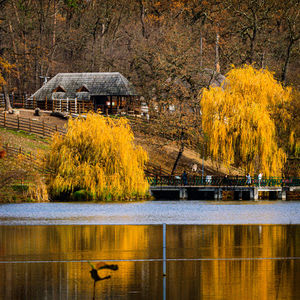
(215, 262)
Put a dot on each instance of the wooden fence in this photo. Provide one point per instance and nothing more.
(14, 151)
(32, 159)
(72, 106)
(27, 157)
(29, 125)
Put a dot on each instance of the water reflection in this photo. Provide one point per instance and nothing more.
(204, 262)
(97, 277)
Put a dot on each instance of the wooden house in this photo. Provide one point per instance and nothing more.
(110, 92)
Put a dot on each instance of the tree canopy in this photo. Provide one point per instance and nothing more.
(97, 155)
(239, 120)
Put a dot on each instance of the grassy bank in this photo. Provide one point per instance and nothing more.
(19, 177)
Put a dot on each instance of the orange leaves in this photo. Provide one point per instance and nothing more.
(98, 155)
(5, 67)
(239, 120)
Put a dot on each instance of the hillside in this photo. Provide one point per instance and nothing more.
(162, 152)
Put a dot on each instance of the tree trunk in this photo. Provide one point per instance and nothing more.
(217, 59)
(177, 159)
(201, 49)
(8, 107)
(142, 18)
(286, 62)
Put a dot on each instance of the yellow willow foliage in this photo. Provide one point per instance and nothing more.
(98, 155)
(5, 66)
(238, 120)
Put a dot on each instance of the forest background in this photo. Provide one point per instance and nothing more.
(170, 50)
(148, 41)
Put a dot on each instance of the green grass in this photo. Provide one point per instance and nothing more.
(28, 142)
(25, 134)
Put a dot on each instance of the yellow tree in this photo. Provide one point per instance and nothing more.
(97, 155)
(5, 68)
(239, 120)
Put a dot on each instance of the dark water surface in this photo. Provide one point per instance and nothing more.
(203, 261)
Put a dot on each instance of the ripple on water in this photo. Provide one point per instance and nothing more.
(155, 212)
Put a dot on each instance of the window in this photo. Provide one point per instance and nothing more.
(82, 89)
(59, 89)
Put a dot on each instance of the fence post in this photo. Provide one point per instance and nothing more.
(43, 128)
(83, 106)
(75, 105)
(29, 125)
(23, 101)
(52, 105)
(5, 119)
(56, 128)
(60, 105)
(33, 103)
(18, 117)
(6, 148)
(46, 103)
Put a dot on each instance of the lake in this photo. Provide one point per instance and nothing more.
(45, 250)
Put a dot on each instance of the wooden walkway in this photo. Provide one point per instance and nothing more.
(216, 193)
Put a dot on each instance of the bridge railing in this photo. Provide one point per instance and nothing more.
(194, 180)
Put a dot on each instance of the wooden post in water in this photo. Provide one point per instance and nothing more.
(164, 262)
(164, 251)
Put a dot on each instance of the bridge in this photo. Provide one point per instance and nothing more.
(213, 187)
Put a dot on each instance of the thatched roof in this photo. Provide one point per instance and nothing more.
(84, 85)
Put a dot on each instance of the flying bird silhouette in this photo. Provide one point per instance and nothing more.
(95, 275)
(101, 266)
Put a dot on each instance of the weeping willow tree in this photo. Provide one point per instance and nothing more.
(240, 120)
(98, 156)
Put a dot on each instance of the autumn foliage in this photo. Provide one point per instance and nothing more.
(97, 155)
(239, 120)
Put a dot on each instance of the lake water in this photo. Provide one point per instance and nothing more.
(45, 250)
(152, 212)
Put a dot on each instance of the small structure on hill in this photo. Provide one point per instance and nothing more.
(78, 92)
